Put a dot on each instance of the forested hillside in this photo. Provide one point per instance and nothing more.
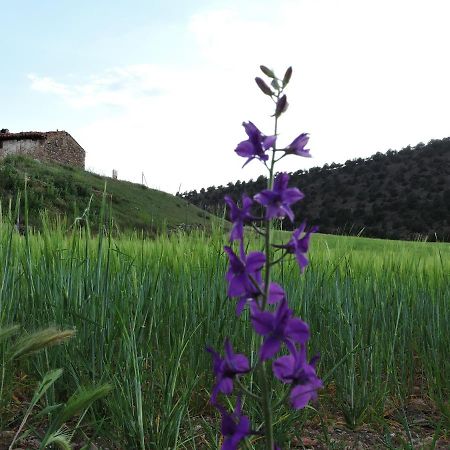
(399, 195)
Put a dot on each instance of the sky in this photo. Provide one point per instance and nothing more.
(161, 88)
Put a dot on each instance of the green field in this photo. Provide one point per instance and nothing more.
(144, 310)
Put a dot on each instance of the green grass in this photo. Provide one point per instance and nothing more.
(145, 309)
(67, 191)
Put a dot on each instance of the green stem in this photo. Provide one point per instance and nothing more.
(267, 408)
(266, 395)
(256, 284)
(257, 229)
(276, 261)
(246, 391)
(268, 223)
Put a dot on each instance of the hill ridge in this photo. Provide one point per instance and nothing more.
(398, 194)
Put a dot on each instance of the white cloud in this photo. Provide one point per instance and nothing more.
(368, 76)
(48, 85)
(121, 86)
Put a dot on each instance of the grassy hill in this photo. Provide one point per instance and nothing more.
(63, 190)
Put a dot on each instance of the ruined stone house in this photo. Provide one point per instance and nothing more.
(52, 146)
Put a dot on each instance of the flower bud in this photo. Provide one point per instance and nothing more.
(266, 71)
(282, 106)
(263, 86)
(287, 76)
(275, 84)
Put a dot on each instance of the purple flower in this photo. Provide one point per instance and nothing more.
(235, 427)
(278, 327)
(239, 216)
(297, 146)
(295, 369)
(242, 270)
(276, 294)
(226, 369)
(299, 245)
(256, 144)
(278, 200)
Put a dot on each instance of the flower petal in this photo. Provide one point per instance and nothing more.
(225, 385)
(237, 231)
(287, 211)
(251, 129)
(274, 211)
(302, 394)
(283, 368)
(245, 149)
(302, 260)
(236, 286)
(297, 330)
(240, 363)
(228, 425)
(255, 261)
(240, 305)
(262, 322)
(276, 293)
(299, 142)
(264, 197)
(269, 141)
(292, 195)
(303, 152)
(281, 182)
(269, 348)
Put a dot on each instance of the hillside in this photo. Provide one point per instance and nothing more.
(64, 190)
(399, 195)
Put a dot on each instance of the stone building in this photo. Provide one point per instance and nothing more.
(51, 146)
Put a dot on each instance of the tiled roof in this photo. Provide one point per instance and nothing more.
(25, 135)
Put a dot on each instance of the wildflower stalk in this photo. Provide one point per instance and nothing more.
(270, 314)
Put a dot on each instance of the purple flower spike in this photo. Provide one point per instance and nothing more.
(295, 369)
(235, 427)
(239, 216)
(299, 246)
(278, 200)
(256, 145)
(297, 146)
(226, 369)
(242, 270)
(278, 327)
(276, 294)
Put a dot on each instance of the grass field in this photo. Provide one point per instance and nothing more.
(144, 310)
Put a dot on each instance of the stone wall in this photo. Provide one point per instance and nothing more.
(19, 147)
(61, 147)
(54, 146)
